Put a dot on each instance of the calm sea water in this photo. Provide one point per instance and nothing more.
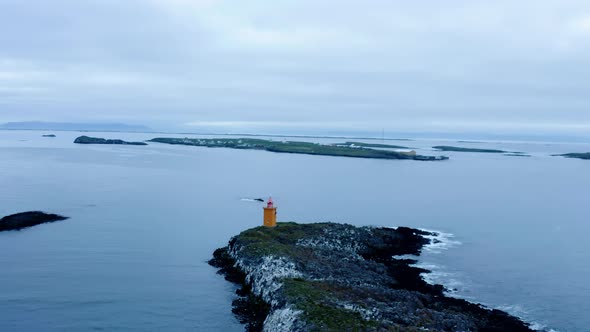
(144, 220)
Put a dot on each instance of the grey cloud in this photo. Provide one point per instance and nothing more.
(422, 65)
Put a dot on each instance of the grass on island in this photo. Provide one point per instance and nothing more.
(317, 301)
(280, 240)
(294, 147)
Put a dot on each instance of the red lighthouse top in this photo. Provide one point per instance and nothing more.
(269, 204)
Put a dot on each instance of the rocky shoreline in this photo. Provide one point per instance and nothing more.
(27, 219)
(337, 277)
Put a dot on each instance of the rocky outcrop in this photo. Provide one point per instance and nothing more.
(96, 140)
(582, 155)
(27, 219)
(334, 277)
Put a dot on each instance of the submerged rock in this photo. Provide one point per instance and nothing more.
(27, 219)
(97, 140)
(335, 277)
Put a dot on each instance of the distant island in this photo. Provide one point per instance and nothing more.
(27, 219)
(460, 149)
(296, 147)
(96, 140)
(336, 277)
(72, 126)
(49, 135)
(581, 155)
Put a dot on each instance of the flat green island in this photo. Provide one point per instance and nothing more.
(295, 147)
(461, 149)
(97, 140)
(338, 277)
(582, 155)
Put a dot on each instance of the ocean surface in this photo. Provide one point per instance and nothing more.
(145, 219)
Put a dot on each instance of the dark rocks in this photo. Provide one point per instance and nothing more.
(96, 140)
(583, 155)
(334, 277)
(27, 219)
(250, 309)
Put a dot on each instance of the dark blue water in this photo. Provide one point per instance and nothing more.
(144, 220)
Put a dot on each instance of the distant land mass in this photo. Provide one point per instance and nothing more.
(72, 126)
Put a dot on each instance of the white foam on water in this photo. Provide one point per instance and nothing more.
(439, 241)
(455, 284)
(407, 256)
(519, 311)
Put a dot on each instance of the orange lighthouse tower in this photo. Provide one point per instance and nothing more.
(270, 214)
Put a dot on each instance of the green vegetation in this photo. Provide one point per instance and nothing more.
(96, 140)
(318, 301)
(279, 240)
(582, 155)
(460, 149)
(371, 145)
(294, 147)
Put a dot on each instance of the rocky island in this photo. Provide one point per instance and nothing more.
(583, 155)
(336, 277)
(296, 147)
(27, 219)
(96, 140)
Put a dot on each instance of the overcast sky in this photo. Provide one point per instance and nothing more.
(489, 66)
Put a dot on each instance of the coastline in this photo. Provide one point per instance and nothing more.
(330, 276)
